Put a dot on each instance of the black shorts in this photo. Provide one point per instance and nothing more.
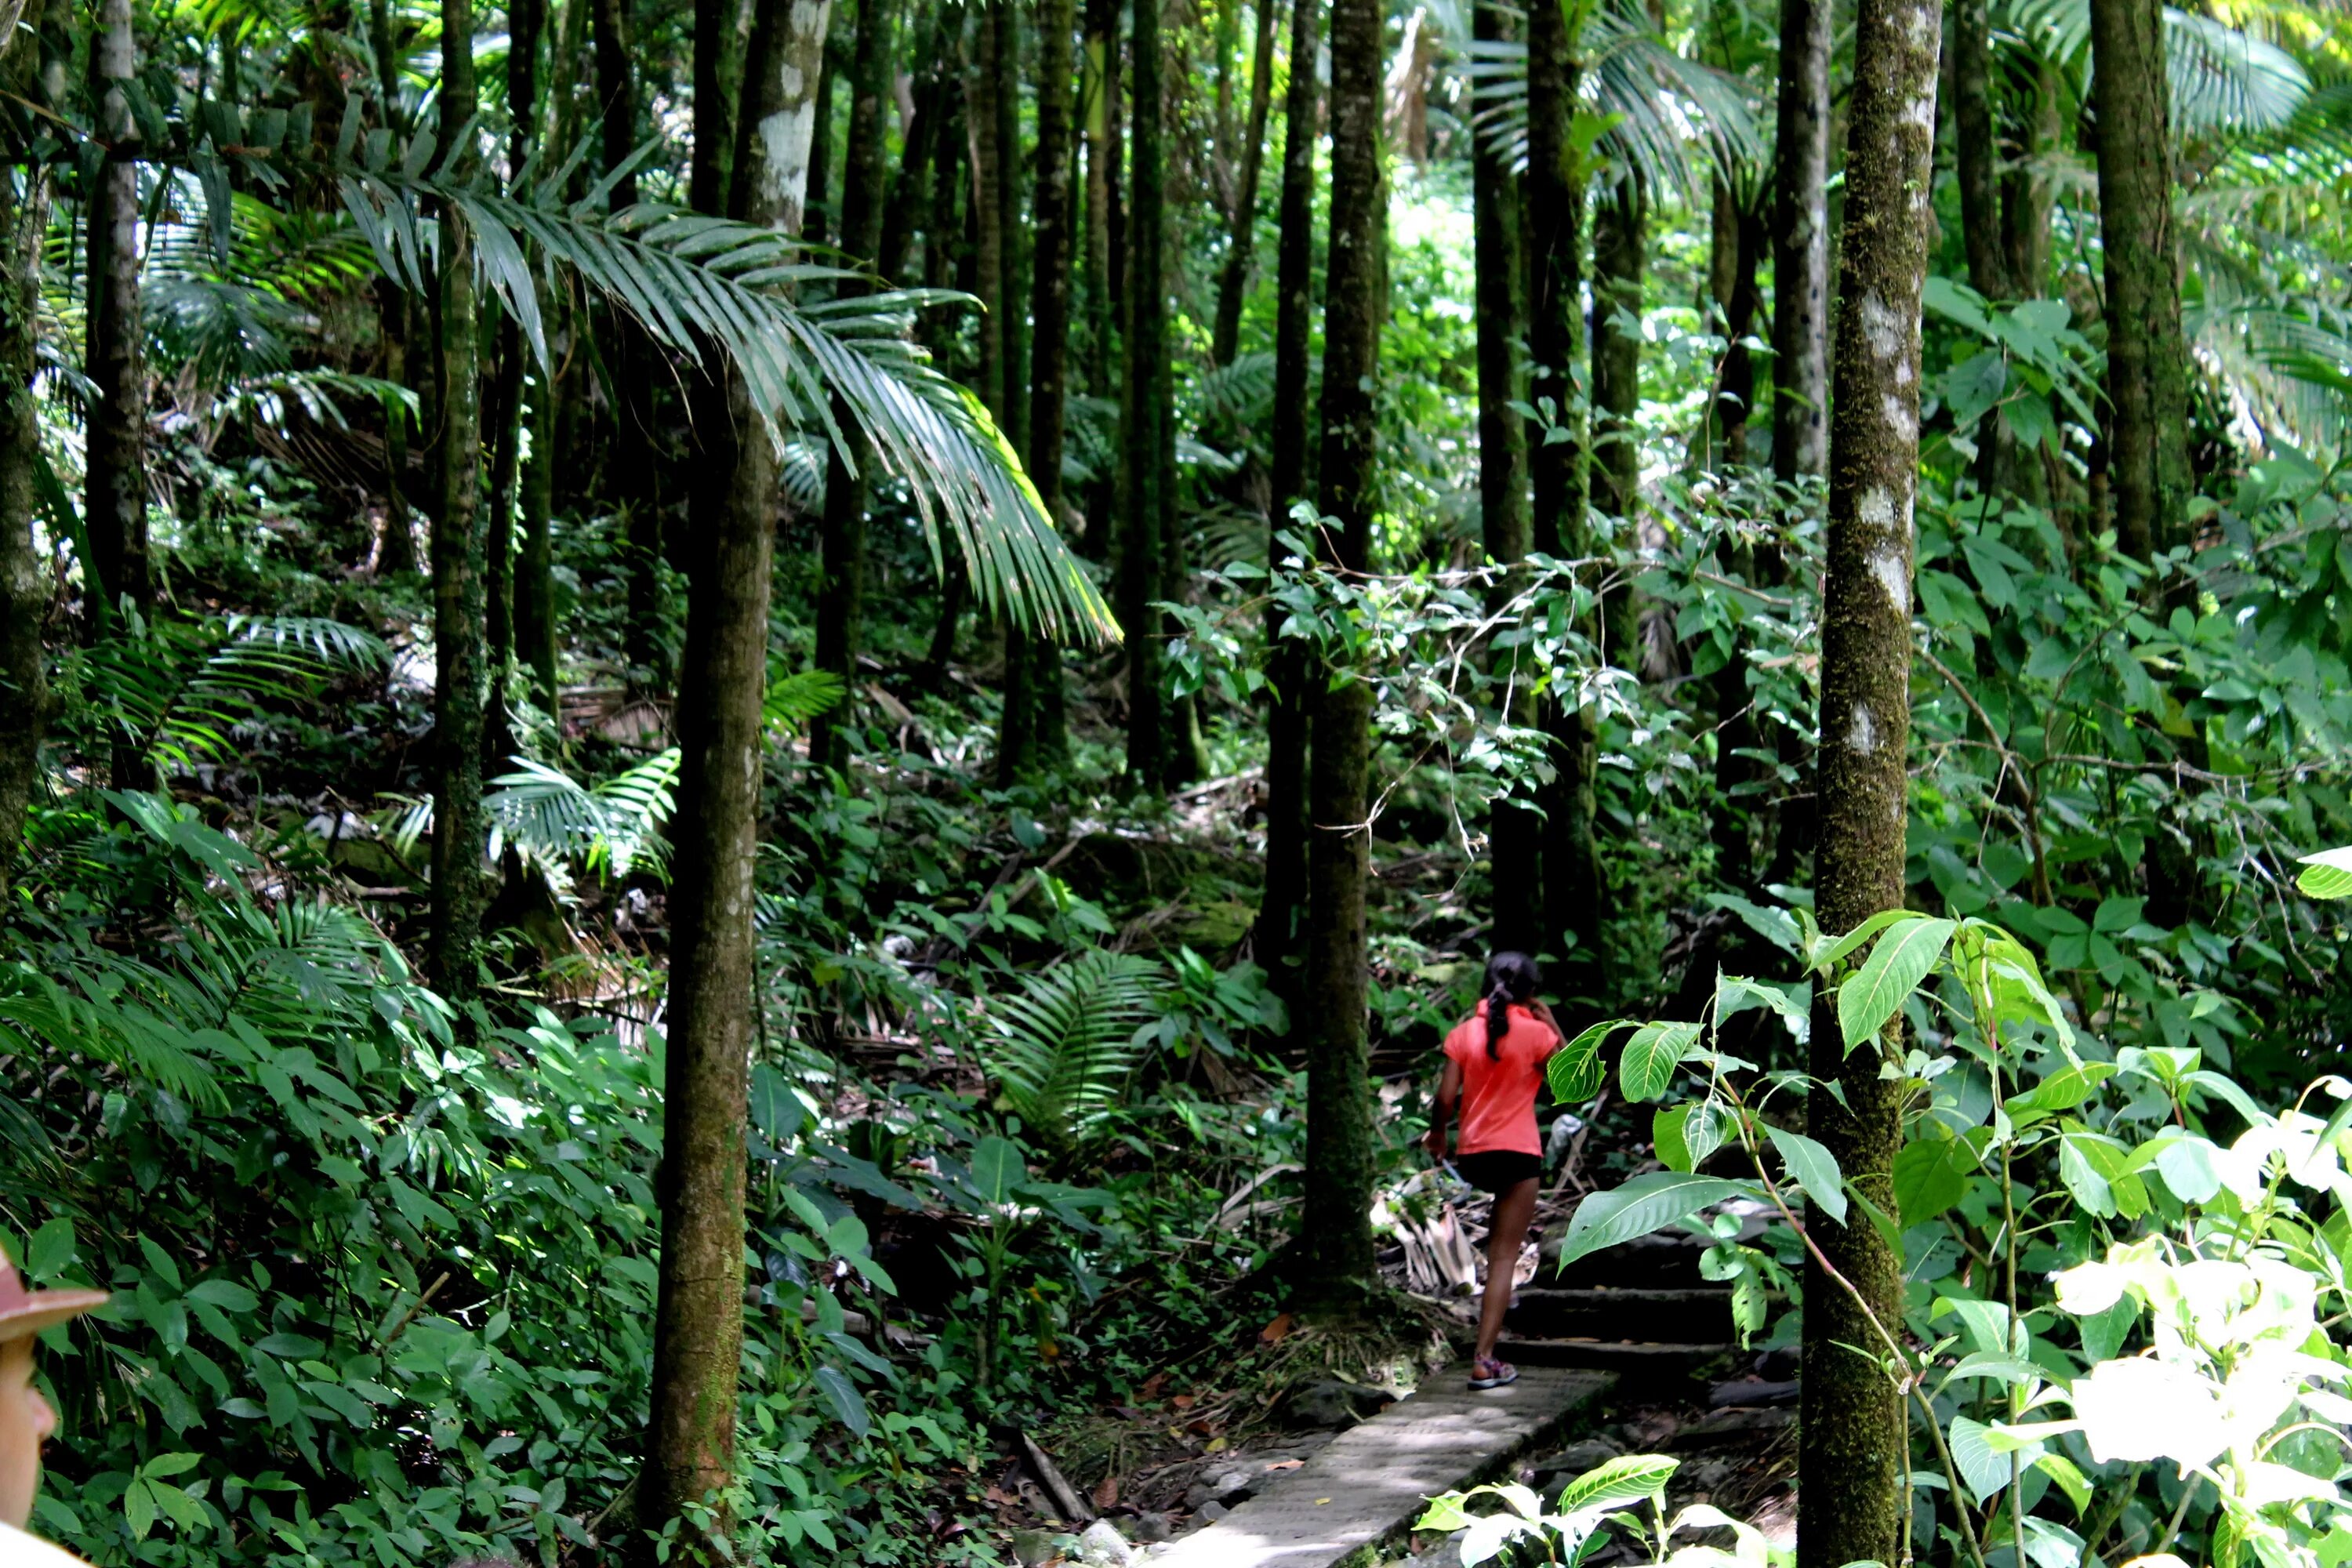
(1497, 1170)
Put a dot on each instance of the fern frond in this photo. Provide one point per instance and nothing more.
(1066, 1045)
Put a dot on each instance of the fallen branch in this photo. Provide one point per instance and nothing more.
(1073, 1507)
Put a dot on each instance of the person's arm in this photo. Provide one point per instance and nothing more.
(1542, 1011)
(1440, 1114)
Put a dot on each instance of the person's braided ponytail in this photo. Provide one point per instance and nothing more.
(1511, 977)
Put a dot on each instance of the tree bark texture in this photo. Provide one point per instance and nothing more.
(698, 1322)
(1004, 21)
(907, 212)
(1288, 713)
(1620, 235)
(115, 505)
(1976, 150)
(841, 593)
(1233, 279)
(2147, 358)
(983, 124)
(1105, 220)
(398, 551)
(1145, 427)
(1555, 215)
(1033, 716)
(1514, 845)
(23, 584)
(1801, 253)
(1853, 1435)
(630, 360)
(461, 664)
(1336, 1264)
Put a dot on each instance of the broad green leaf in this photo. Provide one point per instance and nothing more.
(1626, 1479)
(1813, 1167)
(1931, 1174)
(848, 1404)
(1576, 1072)
(50, 1251)
(996, 1169)
(1904, 954)
(1984, 1470)
(226, 1294)
(1828, 950)
(1647, 1068)
(2328, 875)
(1666, 1135)
(2187, 1166)
(2061, 1090)
(2068, 1478)
(1642, 1205)
(776, 1110)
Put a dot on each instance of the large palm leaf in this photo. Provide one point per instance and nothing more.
(707, 287)
(2222, 80)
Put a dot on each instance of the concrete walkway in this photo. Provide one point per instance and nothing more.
(1367, 1486)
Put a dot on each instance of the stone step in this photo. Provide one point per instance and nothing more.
(1664, 1262)
(1639, 1364)
(1685, 1314)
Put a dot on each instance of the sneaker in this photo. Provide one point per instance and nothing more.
(1487, 1373)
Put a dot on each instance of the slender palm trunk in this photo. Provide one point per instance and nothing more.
(1619, 238)
(907, 212)
(1975, 149)
(1282, 902)
(1336, 1262)
(841, 547)
(461, 665)
(2147, 358)
(1555, 213)
(24, 586)
(1035, 710)
(1515, 847)
(116, 503)
(630, 360)
(534, 592)
(398, 549)
(698, 1322)
(1145, 425)
(1853, 1436)
(1233, 279)
(1004, 21)
(1801, 252)
(525, 20)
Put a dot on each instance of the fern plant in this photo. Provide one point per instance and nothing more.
(1063, 1049)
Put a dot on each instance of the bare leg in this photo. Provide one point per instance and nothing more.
(1514, 1208)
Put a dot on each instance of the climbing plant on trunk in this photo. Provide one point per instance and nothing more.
(1853, 1438)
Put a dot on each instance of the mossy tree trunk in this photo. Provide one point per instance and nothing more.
(397, 552)
(1619, 238)
(1033, 729)
(23, 584)
(1335, 1260)
(461, 662)
(1555, 221)
(1853, 1436)
(713, 1000)
(1281, 901)
(1515, 847)
(2147, 358)
(1801, 251)
(1146, 430)
(115, 500)
(504, 410)
(841, 593)
(631, 360)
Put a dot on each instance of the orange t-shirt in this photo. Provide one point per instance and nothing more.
(1498, 1094)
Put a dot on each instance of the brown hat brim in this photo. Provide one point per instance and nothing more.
(45, 1309)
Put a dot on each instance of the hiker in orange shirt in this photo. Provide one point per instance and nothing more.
(1494, 1063)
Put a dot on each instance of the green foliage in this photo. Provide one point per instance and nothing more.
(1068, 1043)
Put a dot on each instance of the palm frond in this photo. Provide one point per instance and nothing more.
(178, 691)
(2222, 80)
(1066, 1045)
(705, 286)
(553, 820)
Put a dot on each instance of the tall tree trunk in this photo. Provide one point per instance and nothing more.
(907, 212)
(698, 1322)
(951, 153)
(1005, 19)
(1554, 212)
(2147, 359)
(631, 359)
(984, 125)
(1336, 1225)
(461, 666)
(1515, 848)
(116, 504)
(2025, 195)
(1976, 150)
(1232, 280)
(1106, 259)
(1740, 241)
(1144, 422)
(525, 19)
(1801, 250)
(398, 552)
(534, 591)
(842, 548)
(1620, 237)
(24, 586)
(1033, 666)
(1283, 899)
(1854, 1437)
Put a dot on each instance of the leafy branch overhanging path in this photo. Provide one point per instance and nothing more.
(1367, 1488)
